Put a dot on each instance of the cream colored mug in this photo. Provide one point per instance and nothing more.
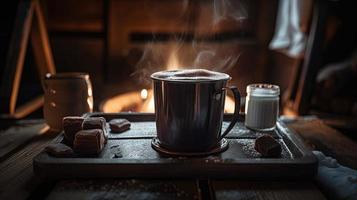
(66, 94)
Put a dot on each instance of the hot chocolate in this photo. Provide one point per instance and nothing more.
(190, 75)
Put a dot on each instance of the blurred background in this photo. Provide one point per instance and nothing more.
(308, 48)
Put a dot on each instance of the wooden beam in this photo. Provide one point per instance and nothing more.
(312, 59)
(16, 56)
(30, 21)
(40, 43)
(25, 109)
(28, 107)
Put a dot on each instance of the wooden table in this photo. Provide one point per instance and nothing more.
(17, 181)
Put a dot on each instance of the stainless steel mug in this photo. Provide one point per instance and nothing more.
(189, 110)
(66, 94)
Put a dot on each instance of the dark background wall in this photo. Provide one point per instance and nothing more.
(96, 36)
(106, 38)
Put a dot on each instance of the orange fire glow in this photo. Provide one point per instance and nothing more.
(143, 100)
(144, 94)
(136, 102)
(148, 105)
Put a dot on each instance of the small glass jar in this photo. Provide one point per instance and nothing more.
(262, 106)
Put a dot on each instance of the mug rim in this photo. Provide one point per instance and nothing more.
(67, 75)
(154, 77)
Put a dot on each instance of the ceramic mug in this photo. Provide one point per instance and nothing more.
(66, 94)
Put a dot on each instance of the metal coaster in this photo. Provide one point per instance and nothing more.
(221, 146)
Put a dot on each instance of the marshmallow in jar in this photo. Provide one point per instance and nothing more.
(262, 106)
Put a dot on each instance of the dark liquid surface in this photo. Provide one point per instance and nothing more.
(190, 75)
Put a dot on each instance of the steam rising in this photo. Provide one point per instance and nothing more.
(229, 9)
(210, 60)
(179, 52)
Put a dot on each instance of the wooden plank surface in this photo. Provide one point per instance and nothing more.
(266, 190)
(17, 180)
(16, 136)
(330, 141)
(125, 189)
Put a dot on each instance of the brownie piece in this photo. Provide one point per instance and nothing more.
(59, 150)
(119, 125)
(89, 142)
(267, 146)
(95, 123)
(71, 125)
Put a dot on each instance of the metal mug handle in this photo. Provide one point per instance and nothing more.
(236, 116)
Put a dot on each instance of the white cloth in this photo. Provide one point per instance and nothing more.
(288, 37)
(339, 182)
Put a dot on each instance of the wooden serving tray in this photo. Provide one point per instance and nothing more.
(130, 155)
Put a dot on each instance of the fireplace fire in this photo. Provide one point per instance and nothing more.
(142, 100)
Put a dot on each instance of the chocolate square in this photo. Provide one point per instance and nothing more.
(59, 150)
(89, 142)
(71, 125)
(95, 123)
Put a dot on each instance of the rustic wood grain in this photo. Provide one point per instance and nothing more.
(125, 189)
(266, 190)
(16, 136)
(328, 140)
(17, 179)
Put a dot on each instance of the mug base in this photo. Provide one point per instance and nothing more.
(220, 147)
(257, 129)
